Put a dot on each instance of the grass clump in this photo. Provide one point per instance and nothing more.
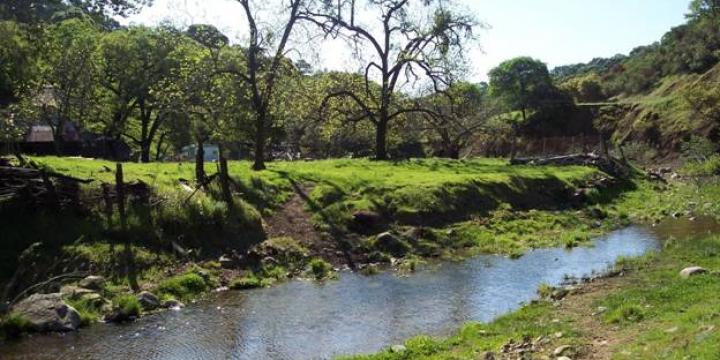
(545, 290)
(90, 310)
(184, 286)
(320, 269)
(127, 306)
(251, 281)
(626, 313)
(13, 325)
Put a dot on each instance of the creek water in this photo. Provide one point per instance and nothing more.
(353, 314)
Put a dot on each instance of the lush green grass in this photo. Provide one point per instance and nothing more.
(655, 312)
(675, 317)
(530, 322)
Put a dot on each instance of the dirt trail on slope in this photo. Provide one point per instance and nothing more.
(295, 221)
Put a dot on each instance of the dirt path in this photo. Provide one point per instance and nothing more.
(602, 339)
(295, 221)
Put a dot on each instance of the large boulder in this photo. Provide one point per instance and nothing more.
(148, 300)
(93, 282)
(48, 312)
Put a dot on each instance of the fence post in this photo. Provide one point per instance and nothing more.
(129, 258)
(225, 179)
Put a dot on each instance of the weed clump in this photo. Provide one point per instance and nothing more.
(320, 269)
(626, 313)
(246, 282)
(126, 306)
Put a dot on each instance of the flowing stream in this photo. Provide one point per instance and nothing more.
(353, 314)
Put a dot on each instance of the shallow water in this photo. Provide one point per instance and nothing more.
(354, 314)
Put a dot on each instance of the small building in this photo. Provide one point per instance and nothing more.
(212, 152)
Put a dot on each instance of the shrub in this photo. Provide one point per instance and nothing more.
(320, 268)
(708, 167)
(545, 290)
(697, 149)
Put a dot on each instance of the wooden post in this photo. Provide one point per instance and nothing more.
(51, 192)
(129, 258)
(225, 179)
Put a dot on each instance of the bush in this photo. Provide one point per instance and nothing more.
(697, 149)
(545, 290)
(127, 305)
(320, 268)
(183, 286)
(708, 167)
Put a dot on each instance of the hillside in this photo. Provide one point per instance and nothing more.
(666, 116)
(668, 90)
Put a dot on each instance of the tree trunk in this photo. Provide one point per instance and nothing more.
(604, 147)
(145, 152)
(200, 163)
(259, 163)
(380, 137)
(454, 152)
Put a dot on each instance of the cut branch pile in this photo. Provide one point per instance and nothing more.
(611, 166)
(39, 186)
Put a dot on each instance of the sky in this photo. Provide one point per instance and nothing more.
(558, 32)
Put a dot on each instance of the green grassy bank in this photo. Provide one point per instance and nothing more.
(433, 208)
(649, 313)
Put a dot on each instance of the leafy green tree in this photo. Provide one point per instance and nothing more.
(408, 42)
(17, 63)
(67, 82)
(264, 64)
(704, 8)
(520, 83)
(458, 115)
(101, 11)
(586, 88)
(136, 64)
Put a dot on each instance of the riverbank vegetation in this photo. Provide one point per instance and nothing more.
(645, 309)
(254, 167)
(187, 242)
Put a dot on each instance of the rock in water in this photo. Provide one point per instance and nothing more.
(92, 282)
(692, 271)
(173, 304)
(48, 312)
(148, 300)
